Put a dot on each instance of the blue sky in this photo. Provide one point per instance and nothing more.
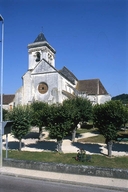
(90, 38)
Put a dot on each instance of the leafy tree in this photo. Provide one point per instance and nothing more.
(125, 116)
(21, 117)
(58, 123)
(39, 115)
(80, 110)
(5, 113)
(123, 97)
(108, 118)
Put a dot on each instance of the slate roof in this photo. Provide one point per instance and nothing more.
(8, 99)
(91, 87)
(41, 41)
(68, 75)
(40, 38)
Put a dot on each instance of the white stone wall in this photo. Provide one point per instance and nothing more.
(103, 98)
(6, 107)
(45, 53)
(98, 99)
(27, 88)
(64, 84)
(93, 99)
(51, 79)
(18, 100)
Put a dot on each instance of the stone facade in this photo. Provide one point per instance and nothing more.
(43, 82)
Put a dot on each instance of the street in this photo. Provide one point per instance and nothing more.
(19, 184)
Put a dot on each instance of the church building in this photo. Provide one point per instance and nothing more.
(43, 82)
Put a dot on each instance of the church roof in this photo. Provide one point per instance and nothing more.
(68, 74)
(8, 99)
(41, 41)
(40, 38)
(91, 87)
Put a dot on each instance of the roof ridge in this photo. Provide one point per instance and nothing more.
(90, 79)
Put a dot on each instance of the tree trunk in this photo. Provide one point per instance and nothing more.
(74, 134)
(109, 147)
(20, 145)
(40, 133)
(125, 126)
(59, 145)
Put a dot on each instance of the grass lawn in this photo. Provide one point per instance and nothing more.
(123, 133)
(96, 139)
(99, 138)
(92, 130)
(69, 158)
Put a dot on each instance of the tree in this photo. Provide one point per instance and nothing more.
(108, 118)
(80, 110)
(39, 115)
(58, 123)
(125, 116)
(123, 97)
(5, 113)
(21, 117)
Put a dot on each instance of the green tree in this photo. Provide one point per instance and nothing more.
(80, 110)
(5, 114)
(21, 117)
(125, 116)
(39, 115)
(108, 118)
(123, 97)
(58, 123)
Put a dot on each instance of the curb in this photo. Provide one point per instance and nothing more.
(67, 168)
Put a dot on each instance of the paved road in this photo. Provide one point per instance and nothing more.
(18, 184)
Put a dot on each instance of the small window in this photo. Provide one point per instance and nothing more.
(37, 56)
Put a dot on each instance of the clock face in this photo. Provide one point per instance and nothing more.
(42, 87)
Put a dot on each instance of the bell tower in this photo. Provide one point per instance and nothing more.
(38, 50)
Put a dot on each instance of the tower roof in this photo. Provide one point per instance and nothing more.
(41, 41)
(40, 38)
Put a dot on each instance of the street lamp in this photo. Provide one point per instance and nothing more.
(1, 87)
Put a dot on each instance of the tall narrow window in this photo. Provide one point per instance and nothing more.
(37, 56)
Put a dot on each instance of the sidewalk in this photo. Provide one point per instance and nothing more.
(66, 178)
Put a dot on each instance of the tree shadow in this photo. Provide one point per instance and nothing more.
(92, 148)
(120, 147)
(33, 135)
(14, 145)
(43, 145)
(86, 126)
(68, 137)
(95, 132)
(78, 135)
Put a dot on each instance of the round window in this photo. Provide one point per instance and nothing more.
(42, 88)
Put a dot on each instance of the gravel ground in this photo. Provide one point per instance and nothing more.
(31, 143)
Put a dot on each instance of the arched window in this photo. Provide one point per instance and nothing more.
(37, 56)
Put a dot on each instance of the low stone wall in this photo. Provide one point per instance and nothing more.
(66, 168)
